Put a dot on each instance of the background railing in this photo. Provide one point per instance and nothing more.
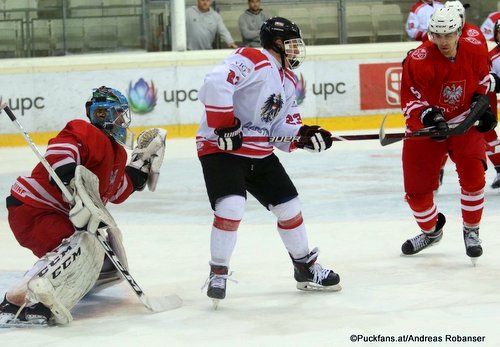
(30, 28)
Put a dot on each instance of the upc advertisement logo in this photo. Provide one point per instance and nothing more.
(142, 96)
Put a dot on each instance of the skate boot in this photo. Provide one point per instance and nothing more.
(311, 276)
(472, 243)
(216, 283)
(496, 181)
(13, 316)
(424, 240)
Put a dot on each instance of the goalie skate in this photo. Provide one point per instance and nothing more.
(13, 316)
(311, 276)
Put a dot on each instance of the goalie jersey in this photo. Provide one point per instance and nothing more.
(431, 79)
(79, 143)
(250, 85)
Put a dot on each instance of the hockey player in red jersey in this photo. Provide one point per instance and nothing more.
(44, 222)
(252, 93)
(440, 81)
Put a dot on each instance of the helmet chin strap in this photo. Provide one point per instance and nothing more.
(281, 52)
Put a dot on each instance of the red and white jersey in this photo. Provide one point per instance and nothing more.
(431, 79)
(82, 143)
(488, 26)
(417, 22)
(250, 85)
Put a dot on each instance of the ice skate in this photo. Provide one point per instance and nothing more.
(496, 182)
(311, 276)
(472, 244)
(424, 240)
(216, 283)
(13, 316)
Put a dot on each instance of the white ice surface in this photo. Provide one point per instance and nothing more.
(354, 211)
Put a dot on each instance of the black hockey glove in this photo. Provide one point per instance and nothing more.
(137, 176)
(487, 122)
(433, 116)
(230, 138)
(318, 139)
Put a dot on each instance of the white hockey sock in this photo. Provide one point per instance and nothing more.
(295, 241)
(222, 244)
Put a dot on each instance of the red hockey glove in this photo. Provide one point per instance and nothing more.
(230, 138)
(318, 139)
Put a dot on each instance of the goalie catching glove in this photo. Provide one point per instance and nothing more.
(318, 139)
(147, 158)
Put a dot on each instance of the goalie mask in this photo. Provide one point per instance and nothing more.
(108, 110)
(293, 48)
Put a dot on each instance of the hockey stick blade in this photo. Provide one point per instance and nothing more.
(476, 111)
(161, 304)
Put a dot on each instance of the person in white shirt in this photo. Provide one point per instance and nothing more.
(252, 93)
(202, 24)
(488, 25)
(418, 18)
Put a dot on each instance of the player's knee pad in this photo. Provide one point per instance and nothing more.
(229, 212)
(420, 202)
(289, 212)
(62, 277)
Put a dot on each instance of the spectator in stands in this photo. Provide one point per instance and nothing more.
(418, 18)
(202, 24)
(250, 22)
(488, 25)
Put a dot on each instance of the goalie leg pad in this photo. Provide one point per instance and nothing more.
(61, 278)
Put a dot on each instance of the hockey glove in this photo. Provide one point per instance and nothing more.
(147, 157)
(318, 139)
(487, 122)
(230, 138)
(433, 116)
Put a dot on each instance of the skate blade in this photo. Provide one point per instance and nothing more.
(473, 260)
(313, 287)
(16, 323)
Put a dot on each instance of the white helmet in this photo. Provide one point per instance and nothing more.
(445, 20)
(457, 5)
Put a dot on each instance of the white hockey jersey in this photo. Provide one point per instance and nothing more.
(249, 84)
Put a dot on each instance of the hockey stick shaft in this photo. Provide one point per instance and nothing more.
(102, 240)
(55, 177)
(289, 139)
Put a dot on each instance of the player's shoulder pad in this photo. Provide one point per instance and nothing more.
(252, 54)
(472, 40)
(420, 53)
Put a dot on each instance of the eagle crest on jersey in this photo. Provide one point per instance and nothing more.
(272, 106)
(453, 94)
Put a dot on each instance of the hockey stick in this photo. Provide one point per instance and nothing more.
(476, 111)
(152, 304)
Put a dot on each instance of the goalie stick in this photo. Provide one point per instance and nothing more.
(476, 111)
(156, 304)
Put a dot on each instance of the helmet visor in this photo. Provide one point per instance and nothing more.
(116, 125)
